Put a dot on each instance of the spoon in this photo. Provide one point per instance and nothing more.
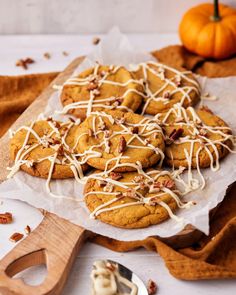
(120, 278)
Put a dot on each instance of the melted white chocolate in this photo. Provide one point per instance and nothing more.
(106, 280)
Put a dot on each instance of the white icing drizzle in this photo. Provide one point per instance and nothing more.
(68, 158)
(93, 103)
(149, 178)
(185, 90)
(195, 126)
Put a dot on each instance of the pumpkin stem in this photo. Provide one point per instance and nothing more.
(216, 17)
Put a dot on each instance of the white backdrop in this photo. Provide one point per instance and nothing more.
(93, 16)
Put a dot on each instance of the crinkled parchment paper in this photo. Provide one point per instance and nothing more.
(116, 49)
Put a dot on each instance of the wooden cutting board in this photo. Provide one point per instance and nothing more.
(56, 241)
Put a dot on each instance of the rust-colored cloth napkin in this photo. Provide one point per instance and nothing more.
(17, 93)
(214, 256)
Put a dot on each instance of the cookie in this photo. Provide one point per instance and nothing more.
(121, 140)
(166, 86)
(99, 88)
(46, 145)
(195, 138)
(131, 199)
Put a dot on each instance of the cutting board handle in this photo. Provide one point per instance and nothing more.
(55, 243)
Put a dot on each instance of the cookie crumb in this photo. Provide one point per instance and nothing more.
(96, 40)
(151, 287)
(65, 53)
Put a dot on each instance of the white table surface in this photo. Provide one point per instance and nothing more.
(146, 264)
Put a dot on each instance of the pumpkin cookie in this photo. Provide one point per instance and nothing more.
(165, 86)
(121, 140)
(132, 199)
(46, 149)
(99, 88)
(195, 138)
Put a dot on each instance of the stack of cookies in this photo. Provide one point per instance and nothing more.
(130, 138)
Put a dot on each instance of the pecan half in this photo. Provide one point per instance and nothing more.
(122, 145)
(151, 287)
(16, 237)
(115, 175)
(174, 135)
(134, 129)
(6, 218)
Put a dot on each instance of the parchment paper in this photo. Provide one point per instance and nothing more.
(116, 49)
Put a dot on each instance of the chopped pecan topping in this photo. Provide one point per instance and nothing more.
(134, 129)
(24, 62)
(120, 120)
(115, 175)
(96, 92)
(16, 237)
(168, 183)
(92, 86)
(6, 218)
(72, 119)
(174, 135)
(138, 178)
(177, 80)
(47, 55)
(102, 73)
(147, 141)
(101, 183)
(166, 94)
(96, 40)
(151, 287)
(60, 150)
(122, 145)
(56, 124)
(130, 193)
(27, 229)
(108, 187)
(202, 132)
(101, 125)
(107, 133)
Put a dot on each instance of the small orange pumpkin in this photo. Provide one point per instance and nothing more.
(209, 30)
